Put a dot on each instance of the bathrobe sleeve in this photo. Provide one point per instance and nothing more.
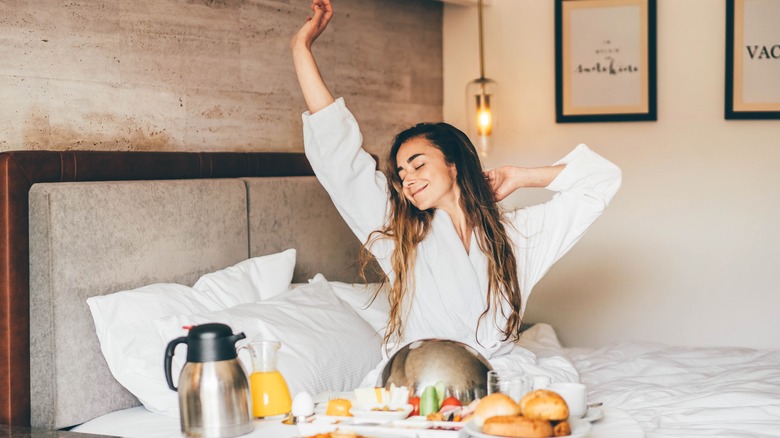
(544, 233)
(333, 145)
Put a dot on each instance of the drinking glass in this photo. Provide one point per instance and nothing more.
(540, 382)
(512, 383)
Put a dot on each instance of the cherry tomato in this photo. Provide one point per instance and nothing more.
(451, 401)
(415, 402)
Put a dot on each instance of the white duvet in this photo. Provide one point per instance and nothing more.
(683, 392)
(665, 391)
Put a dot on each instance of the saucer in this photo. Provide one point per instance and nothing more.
(593, 415)
(382, 416)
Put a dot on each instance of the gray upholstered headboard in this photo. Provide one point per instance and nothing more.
(95, 238)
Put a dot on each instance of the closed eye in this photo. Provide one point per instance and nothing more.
(401, 172)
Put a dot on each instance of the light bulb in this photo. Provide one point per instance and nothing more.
(481, 113)
(484, 119)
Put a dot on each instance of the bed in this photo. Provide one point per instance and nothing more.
(109, 240)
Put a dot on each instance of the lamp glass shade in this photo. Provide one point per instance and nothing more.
(481, 105)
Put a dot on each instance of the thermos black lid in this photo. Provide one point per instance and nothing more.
(212, 342)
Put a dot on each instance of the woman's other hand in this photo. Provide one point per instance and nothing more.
(503, 181)
(314, 26)
(506, 179)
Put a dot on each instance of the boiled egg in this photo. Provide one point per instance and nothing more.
(302, 405)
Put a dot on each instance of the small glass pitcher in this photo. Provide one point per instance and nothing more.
(270, 394)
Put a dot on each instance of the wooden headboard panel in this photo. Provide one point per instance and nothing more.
(21, 169)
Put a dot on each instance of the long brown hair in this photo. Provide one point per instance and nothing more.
(408, 226)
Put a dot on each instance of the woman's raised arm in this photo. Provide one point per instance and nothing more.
(315, 92)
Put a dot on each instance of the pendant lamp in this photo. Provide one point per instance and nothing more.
(481, 101)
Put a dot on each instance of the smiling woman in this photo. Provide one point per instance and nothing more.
(441, 171)
(459, 268)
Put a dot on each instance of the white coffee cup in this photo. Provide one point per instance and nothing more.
(576, 396)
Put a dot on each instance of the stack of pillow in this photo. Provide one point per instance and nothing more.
(331, 338)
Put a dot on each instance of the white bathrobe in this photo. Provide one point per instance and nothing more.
(450, 283)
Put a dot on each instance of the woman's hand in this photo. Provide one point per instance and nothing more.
(503, 181)
(506, 179)
(314, 26)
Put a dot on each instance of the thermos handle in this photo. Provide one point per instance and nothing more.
(169, 351)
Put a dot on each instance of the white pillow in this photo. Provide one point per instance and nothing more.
(325, 344)
(255, 279)
(131, 344)
(358, 296)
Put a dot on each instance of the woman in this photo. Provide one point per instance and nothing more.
(459, 268)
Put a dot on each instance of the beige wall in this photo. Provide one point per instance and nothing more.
(205, 74)
(689, 251)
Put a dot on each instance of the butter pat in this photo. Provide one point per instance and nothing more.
(369, 398)
(399, 396)
(366, 398)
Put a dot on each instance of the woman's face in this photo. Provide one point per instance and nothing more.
(428, 180)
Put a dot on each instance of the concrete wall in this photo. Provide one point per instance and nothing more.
(206, 75)
(688, 253)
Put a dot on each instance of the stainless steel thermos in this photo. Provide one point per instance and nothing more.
(214, 397)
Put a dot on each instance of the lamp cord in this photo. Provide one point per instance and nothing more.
(481, 43)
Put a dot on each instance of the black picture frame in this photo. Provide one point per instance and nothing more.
(605, 60)
(752, 72)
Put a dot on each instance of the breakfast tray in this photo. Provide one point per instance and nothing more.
(416, 427)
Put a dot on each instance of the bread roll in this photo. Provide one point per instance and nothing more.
(343, 434)
(544, 405)
(516, 426)
(562, 429)
(493, 405)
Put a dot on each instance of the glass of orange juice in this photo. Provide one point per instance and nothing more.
(270, 395)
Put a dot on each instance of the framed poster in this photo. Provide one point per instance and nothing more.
(752, 59)
(605, 60)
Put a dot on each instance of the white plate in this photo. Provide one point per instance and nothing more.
(321, 424)
(593, 415)
(579, 429)
(381, 416)
(419, 422)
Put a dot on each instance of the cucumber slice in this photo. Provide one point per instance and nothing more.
(440, 389)
(429, 402)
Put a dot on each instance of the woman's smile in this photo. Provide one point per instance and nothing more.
(416, 191)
